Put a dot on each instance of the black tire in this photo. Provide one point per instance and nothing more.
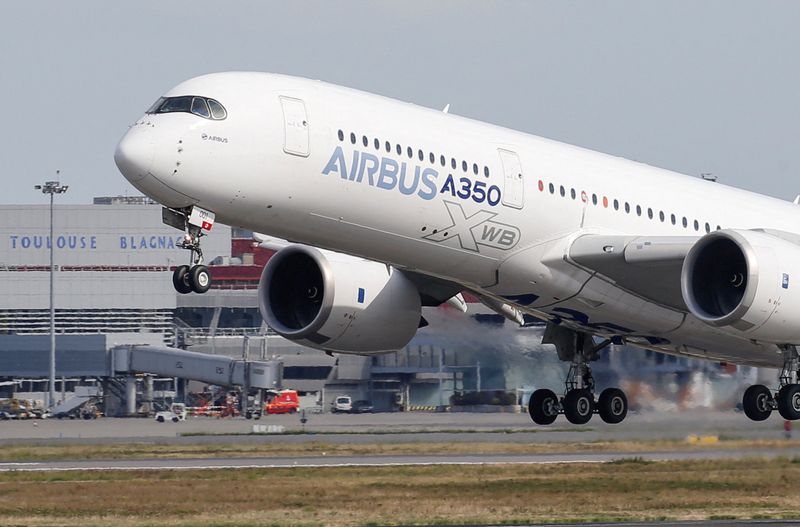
(543, 407)
(757, 402)
(160, 418)
(789, 402)
(612, 405)
(175, 419)
(199, 279)
(180, 279)
(578, 406)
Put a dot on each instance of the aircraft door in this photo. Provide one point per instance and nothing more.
(514, 183)
(295, 125)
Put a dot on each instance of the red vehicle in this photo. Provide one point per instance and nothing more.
(284, 402)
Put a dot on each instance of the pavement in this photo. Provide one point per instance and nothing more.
(391, 428)
(384, 460)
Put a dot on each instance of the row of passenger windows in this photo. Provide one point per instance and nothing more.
(651, 214)
(376, 143)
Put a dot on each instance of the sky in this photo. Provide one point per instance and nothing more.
(693, 86)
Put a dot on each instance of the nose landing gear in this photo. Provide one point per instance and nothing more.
(579, 403)
(759, 402)
(195, 222)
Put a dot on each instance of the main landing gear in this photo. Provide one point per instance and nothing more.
(195, 223)
(578, 403)
(759, 402)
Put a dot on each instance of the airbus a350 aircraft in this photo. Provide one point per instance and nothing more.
(390, 207)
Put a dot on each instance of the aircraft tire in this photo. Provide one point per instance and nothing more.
(543, 407)
(180, 279)
(578, 406)
(199, 279)
(789, 402)
(612, 405)
(756, 402)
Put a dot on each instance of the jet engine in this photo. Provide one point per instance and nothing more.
(745, 281)
(335, 302)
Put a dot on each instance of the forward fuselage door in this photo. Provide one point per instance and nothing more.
(514, 186)
(295, 125)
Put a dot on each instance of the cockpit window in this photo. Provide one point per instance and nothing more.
(217, 111)
(200, 106)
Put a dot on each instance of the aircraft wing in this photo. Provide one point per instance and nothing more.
(648, 266)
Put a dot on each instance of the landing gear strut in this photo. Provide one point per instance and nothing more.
(195, 223)
(579, 403)
(759, 402)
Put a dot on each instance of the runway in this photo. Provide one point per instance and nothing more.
(215, 463)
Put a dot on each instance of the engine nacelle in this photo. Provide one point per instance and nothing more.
(336, 302)
(744, 280)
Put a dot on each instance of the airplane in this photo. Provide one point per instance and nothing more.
(379, 207)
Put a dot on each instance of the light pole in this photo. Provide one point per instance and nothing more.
(52, 188)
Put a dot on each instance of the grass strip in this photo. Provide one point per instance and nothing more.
(273, 447)
(629, 490)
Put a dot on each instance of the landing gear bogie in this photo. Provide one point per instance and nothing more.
(187, 279)
(759, 401)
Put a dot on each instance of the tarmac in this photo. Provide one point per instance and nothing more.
(391, 428)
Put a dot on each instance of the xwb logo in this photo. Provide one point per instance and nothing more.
(477, 229)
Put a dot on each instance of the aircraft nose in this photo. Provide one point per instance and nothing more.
(134, 154)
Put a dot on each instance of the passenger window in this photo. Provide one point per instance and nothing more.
(616, 205)
(453, 163)
(399, 150)
(627, 208)
(377, 144)
(649, 213)
(464, 166)
(572, 193)
(696, 225)
(442, 161)
(672, 218)
(685, 222)
(708, 228)
(388, 147)
(638, 210)
(364, 140)
(562, 190)
(217, 110)
(432, 158)
(341, 135)
(475, 168)
(410, 152)
(594, 199)
(661, 216)
(552, 188)
(352, 138)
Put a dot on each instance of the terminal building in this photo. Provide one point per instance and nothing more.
(113, 268)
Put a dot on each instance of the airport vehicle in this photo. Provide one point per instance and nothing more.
(391, 207)
(362, 407)
(342, 404)
(284, 402)
(176, 412)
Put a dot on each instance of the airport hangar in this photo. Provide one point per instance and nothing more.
(113, 294)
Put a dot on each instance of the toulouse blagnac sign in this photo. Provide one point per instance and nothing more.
(18, 242)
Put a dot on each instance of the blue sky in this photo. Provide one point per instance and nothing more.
(693, 86)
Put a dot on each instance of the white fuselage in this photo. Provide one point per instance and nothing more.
(290, 160)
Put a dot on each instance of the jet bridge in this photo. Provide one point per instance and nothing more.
(213, 369)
